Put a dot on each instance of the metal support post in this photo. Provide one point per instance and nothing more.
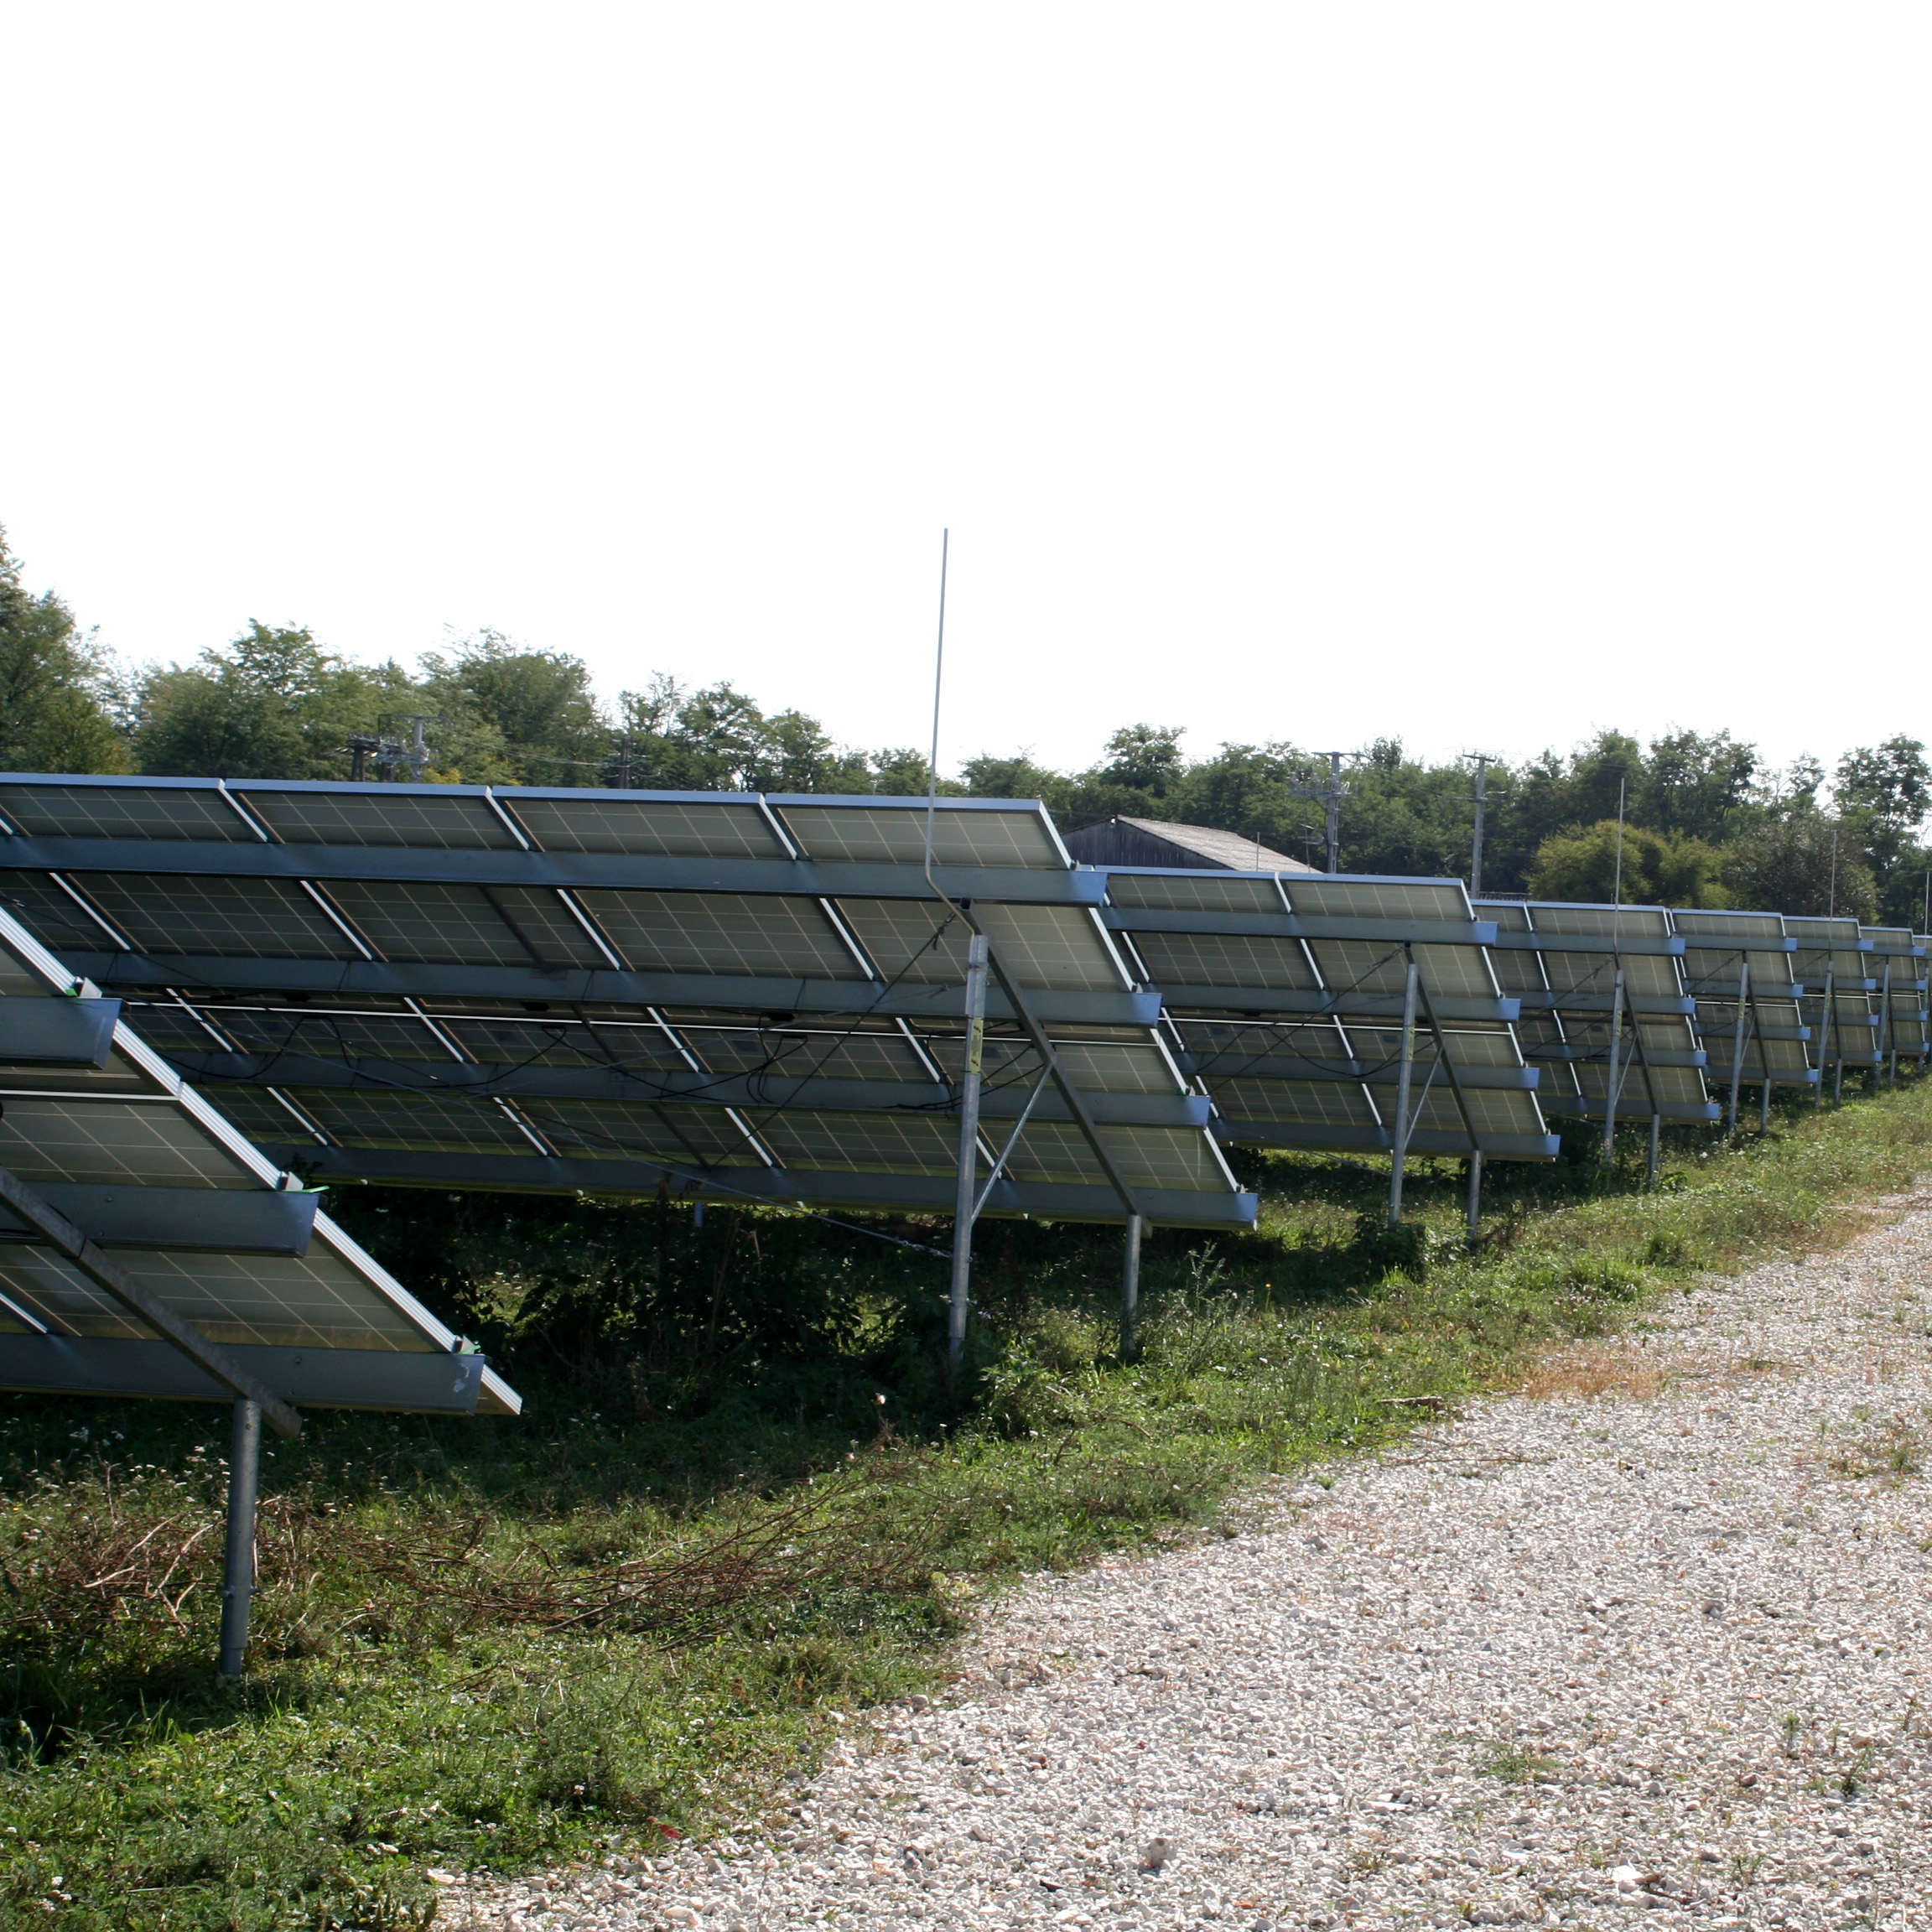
(1404, 1078)
(238, 1579)
(1656, 1135)
(1763, 1065)
(1130, 1290)
(1610, 1085)
(975, 1050)
(1885, 1025)
(1825, 1018)
(1737, 1045)
(1475, 1191)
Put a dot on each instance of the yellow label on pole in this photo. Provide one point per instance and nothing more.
(975, 1045)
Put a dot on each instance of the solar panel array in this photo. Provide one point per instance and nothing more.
(1738, 966)
(755, 998)
(1285, 993)
(187, 1219)
(1898, 961)
(1840, 998)
(1603, 998)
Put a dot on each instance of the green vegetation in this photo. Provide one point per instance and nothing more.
(56, 692)
(1707, 822)
(733, 1510)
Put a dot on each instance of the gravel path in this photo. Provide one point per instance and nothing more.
(1649, 1642)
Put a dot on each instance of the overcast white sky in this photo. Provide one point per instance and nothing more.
(1479, 374)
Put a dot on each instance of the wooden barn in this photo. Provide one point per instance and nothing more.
(1155, 842)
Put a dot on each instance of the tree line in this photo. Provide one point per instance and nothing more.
(1688, 818)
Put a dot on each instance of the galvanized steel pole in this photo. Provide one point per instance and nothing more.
(1404, 1076)
(1610, 1086)
(238, 1580)
(1475, 1190)
(1130, 1290)
(1476, 846)
(975, 1048)
(1738, 1042)
(1825, 1016)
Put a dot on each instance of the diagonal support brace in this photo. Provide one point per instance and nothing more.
(210, 1357)
(1075, 1099)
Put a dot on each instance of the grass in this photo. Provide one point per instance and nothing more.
(492, 1646)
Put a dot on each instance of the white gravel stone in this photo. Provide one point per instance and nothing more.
(1559, 1661)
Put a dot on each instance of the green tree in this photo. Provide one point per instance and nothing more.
(1017, 776)
(902, 771)
(54, 685)
(1583, 863)
(1697, 784)
(1406, 817)
(1806, 865)
(719, 740)
(507, 715)
(272, 704)
(1144, 758)
(1882, 793)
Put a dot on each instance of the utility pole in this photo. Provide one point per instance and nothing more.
(418, 756)
(624, 763)
(1484, 760)
(1331, 794)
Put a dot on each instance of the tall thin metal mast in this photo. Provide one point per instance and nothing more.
(959, 1298)
(1482, 764)
(938, 679)
(1617, 990)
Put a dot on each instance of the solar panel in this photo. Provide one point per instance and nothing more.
(148, 1250)
(1738, 966)
(444, 817)
(1897, 966)
(187, 1211)
(755, 998)
(672, 826)
(1604, 1012)
(1284, 996)
(1911, 1021)
(969, 832)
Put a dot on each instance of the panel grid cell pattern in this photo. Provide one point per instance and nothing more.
(722, 933)
(473, 967)
(1571, 1036)
(130, 1137)
(680, 829)
(110, 811)
(868, 834)
(256, 918)
(439, 818)
(1329, 1080)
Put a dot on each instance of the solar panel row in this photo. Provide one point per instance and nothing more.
(761, 997)
(756, 998)
(1285, 996)
(177, 1204)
